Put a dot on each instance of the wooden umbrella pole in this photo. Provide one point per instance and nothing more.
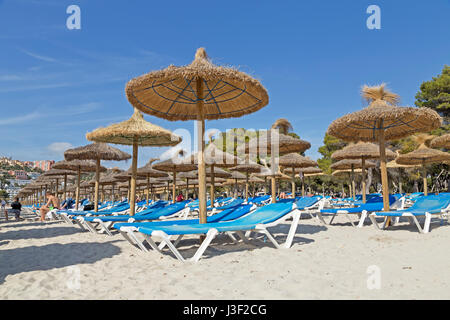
(303, 184)
(212, 194)
(425, 182)
(363, 171)
(97, 179)
(133, 178)
(65, 186)
(102, 199)
(174, 187)
(293, 183)
(128, 190)
(56, 187)
(77, 197)
(187, 188)
(246, 186)
(148, 189)
(384, 177)
(201, 147)
(168, 189)
(113, 198)
(353, 184)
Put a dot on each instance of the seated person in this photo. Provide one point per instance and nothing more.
(16, 206)
(52, 203)
(68, 204)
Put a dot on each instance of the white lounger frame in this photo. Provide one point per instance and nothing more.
(165, 239)
(105, 227)
(399, 204)
(413, 219)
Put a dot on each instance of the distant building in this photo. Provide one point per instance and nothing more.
(20, 174)
(44, 165)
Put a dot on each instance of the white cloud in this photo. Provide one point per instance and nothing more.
(57, 148)
(39, 57)
(20, 119)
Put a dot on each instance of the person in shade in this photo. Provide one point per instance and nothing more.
(16, 207)
(180, 197)
(52, 203)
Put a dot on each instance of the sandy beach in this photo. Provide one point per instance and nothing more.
(58, 261)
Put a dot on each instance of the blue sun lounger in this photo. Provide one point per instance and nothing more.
(425, 206)
(106, 222)
(373, 204)
(256, 221)
(232, 204)
(129, 230)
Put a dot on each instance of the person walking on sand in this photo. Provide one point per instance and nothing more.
(16, 207)
(52, 203)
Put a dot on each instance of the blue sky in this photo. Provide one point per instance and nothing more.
(313, 57)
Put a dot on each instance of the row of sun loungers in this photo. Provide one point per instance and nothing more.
(162, 225)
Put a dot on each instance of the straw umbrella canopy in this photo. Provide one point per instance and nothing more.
(352, 164)
(188, 175)
(295, 160)
(96, 151)
(274, 142)
(174, 165)
(149, 172)
(381, 121)
(247, 167)
(199, 91)
(78, 166)
(135, 132)
(361, 150)
(214, 157)
(422, 156)
(441, 142)
(236, 175)
(394, 165)
(58, 174)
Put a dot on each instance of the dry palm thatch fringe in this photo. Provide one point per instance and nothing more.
(396, 122)
(171, 93)
(283, 125)
(361, 149)
(423, 154)
(441, 142)
(380, 92)
(94, 151)
(349, 163)
(135, 129)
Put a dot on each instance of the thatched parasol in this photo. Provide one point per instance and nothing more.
(78, 166)
(441, 142)
(383, 120)
(197, 91)
(188, 175)
(295, 160)
(247, 167)
(96, 151)
(174, 165)
(59, 174)
(274, 142)
(135, 132)
(149, 172)
(352, 164)
(361, 150)
(422, 156)
(236, 175)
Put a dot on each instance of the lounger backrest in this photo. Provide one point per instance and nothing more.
(232, 204)
(266, 214)
(429, 203)
(230, 214)
(306, 202)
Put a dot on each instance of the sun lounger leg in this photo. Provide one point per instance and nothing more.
(362, 219)
(348, 218)
(426, 226)
(209, 237)
(374, 221)
(243, 236)
(104, 227)
(332, 218)
(89, 226)
(320, 217)
(81, 225)
(293, 229)
(266, 232)
(166, 239)
(232, 237)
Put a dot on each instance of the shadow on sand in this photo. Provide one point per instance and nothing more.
(222, 244)
(34, 258)
(37, 233)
